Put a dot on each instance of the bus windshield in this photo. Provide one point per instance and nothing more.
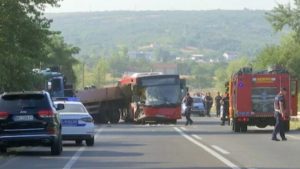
(162, 95)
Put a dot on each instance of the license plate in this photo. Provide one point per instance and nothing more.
(69, 122)
(23, 118)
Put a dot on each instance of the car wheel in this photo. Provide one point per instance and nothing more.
(90, 142)
(78, 142)
(56, 147)
(3, 149)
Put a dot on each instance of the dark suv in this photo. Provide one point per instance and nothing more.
(29, 119)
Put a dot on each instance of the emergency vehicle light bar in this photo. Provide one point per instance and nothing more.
(76, 99)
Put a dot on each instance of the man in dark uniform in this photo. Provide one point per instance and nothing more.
(280, 115)
(188, 100)
(218, 103)
(208, 103)
(225, 104)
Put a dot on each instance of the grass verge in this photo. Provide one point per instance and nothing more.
(295, 125)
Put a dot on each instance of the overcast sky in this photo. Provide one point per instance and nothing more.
(109, 5)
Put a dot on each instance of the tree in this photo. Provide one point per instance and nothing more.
(224, 73)
(23, 35)
(284, 15)
(61, 54)
(119, 62)
(286, 54)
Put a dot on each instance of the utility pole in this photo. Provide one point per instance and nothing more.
(83, 75)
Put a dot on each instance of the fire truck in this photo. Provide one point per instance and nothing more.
(138, 97)
(251, 97)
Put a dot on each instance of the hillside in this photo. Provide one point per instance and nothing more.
(209, 32)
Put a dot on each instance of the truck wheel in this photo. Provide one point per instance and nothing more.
(126, 116)
(244, 128)
(101, 118)
(236, 126)
(286, 125)
(115, 117)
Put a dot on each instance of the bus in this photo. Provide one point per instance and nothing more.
(155, 97)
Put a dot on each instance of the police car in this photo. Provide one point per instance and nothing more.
(77, 123)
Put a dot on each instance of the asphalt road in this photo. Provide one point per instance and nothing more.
(204, 145)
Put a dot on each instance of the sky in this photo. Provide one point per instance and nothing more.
(138, 5)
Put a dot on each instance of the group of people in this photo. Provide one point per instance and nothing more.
(208, 103)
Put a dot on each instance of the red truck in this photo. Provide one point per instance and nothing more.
(251, 97)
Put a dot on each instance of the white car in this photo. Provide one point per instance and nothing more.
(77, 123)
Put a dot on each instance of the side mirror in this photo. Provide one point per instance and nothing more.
(49, 85)
(60, 106)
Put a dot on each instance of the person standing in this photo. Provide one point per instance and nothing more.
(225, 104)
(208, 103)
(280, 115)
(218, 99)
(188, 100)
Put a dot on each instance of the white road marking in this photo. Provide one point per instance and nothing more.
(183, 128)
(75, 157)
(196, 137)
(220, 149)
(294, 137)
(207, 149)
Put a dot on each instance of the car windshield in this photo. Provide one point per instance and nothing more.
(73, 108)
(197, 100)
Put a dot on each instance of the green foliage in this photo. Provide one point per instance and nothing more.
(236, 65)
(284, 15)
(221, 77)
(119, 62)
(224, 72)
(286, 54)
(23, 34)
(100, 72)
(211, 32)
(61, 54)
(27, 43)
(202, 75)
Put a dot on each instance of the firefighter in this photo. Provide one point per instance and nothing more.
(225, 104)
(208, 103)
(218, 99)
(188, 100)
(280, 115)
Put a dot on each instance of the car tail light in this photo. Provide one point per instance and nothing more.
(87, 119)
(46, 113)
(3, 115)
